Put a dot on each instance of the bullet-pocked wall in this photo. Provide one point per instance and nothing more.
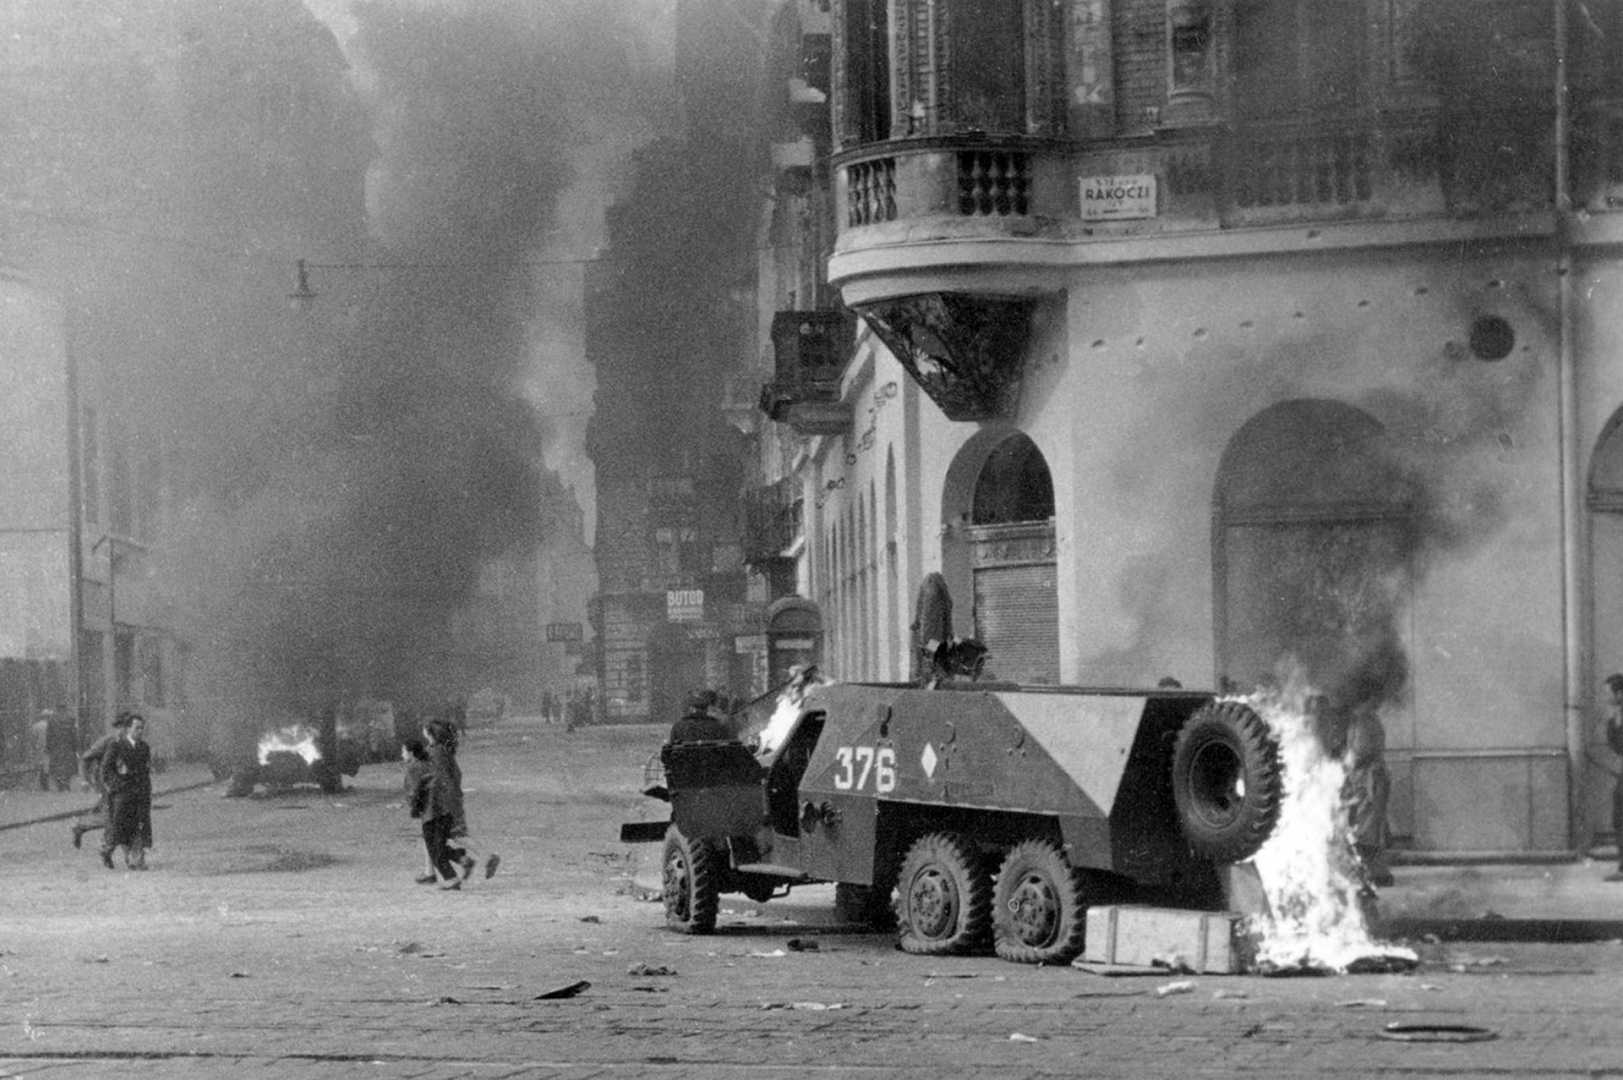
(1338, 466)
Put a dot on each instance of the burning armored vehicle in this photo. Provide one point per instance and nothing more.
(296, 753)
(992, 814)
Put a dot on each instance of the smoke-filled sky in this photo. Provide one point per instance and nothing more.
(345, 476)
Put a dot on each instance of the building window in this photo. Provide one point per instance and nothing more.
(988, 65)
(1295, 56)
(1014, 485)
(862, 104)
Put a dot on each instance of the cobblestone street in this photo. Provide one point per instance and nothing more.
(282, 935)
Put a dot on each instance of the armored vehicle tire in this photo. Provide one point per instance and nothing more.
(1038, 913)
(691, 883)
(866, 905)
(943, 897)
(1226, 781)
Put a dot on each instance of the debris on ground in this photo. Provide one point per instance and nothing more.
(590, 919)
(650, 969)
(802, 945)
(1182, 986)
(1111, 971)
(769, 955)
(1016, 1036)
(567, 991)
(805, 1006)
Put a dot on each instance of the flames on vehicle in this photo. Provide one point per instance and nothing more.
(297, 739)
(1319, 905)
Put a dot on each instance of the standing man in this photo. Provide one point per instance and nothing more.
(126, 769)
(1614, 739)
(90, 773)
(1367, 790)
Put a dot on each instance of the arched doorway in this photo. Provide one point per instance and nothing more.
(1605, 502)
(1313, 533)
(1010, 533)
(794, 636)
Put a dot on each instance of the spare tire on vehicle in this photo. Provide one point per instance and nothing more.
(1227, 781)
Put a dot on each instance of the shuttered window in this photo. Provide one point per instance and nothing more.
(1017, 600)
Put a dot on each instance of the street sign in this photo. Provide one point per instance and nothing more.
(684, 605)
(1118, 198)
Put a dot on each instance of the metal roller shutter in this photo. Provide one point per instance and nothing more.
(1017, 618)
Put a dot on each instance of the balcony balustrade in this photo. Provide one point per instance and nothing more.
(1407, 164)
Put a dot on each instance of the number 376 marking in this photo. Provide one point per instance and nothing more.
(859, 764)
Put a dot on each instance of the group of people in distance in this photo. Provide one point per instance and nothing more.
(119, 767)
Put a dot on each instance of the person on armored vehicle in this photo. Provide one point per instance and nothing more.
(700, 722)
(940, 655)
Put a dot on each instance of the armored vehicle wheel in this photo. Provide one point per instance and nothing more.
(692, 883)
(943, 897)
(867, 905)
(1226, 780)
(1038, 914)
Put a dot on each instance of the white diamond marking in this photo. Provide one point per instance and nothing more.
(927, 759)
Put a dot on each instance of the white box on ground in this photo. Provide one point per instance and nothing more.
(1208, 942)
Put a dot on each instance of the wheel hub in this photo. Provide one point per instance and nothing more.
(933, 903)
(1034, 910)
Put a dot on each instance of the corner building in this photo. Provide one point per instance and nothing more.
(1238, 341)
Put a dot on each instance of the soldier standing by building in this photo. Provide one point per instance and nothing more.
(1367, 790)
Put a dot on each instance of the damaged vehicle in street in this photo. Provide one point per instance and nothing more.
(295, 753)
(968, 815)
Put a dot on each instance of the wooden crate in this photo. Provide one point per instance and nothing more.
(1210, 942)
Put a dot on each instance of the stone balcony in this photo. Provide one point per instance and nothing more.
(976, 203)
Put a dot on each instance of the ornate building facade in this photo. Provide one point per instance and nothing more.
(1239, 341)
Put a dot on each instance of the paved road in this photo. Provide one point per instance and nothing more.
(282, 935)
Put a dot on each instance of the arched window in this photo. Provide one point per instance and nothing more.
(1014, 485)
(1314, 535)
(1011, 538)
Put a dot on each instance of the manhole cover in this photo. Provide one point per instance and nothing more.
(1460, 1033)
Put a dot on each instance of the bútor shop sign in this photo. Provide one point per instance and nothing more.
(1118, 198)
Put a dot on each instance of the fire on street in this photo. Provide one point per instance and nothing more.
(283, 933)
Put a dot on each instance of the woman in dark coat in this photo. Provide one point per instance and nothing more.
(126, 772)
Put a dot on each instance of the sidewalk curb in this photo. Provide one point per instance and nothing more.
(1549, 931)
(64, 815)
